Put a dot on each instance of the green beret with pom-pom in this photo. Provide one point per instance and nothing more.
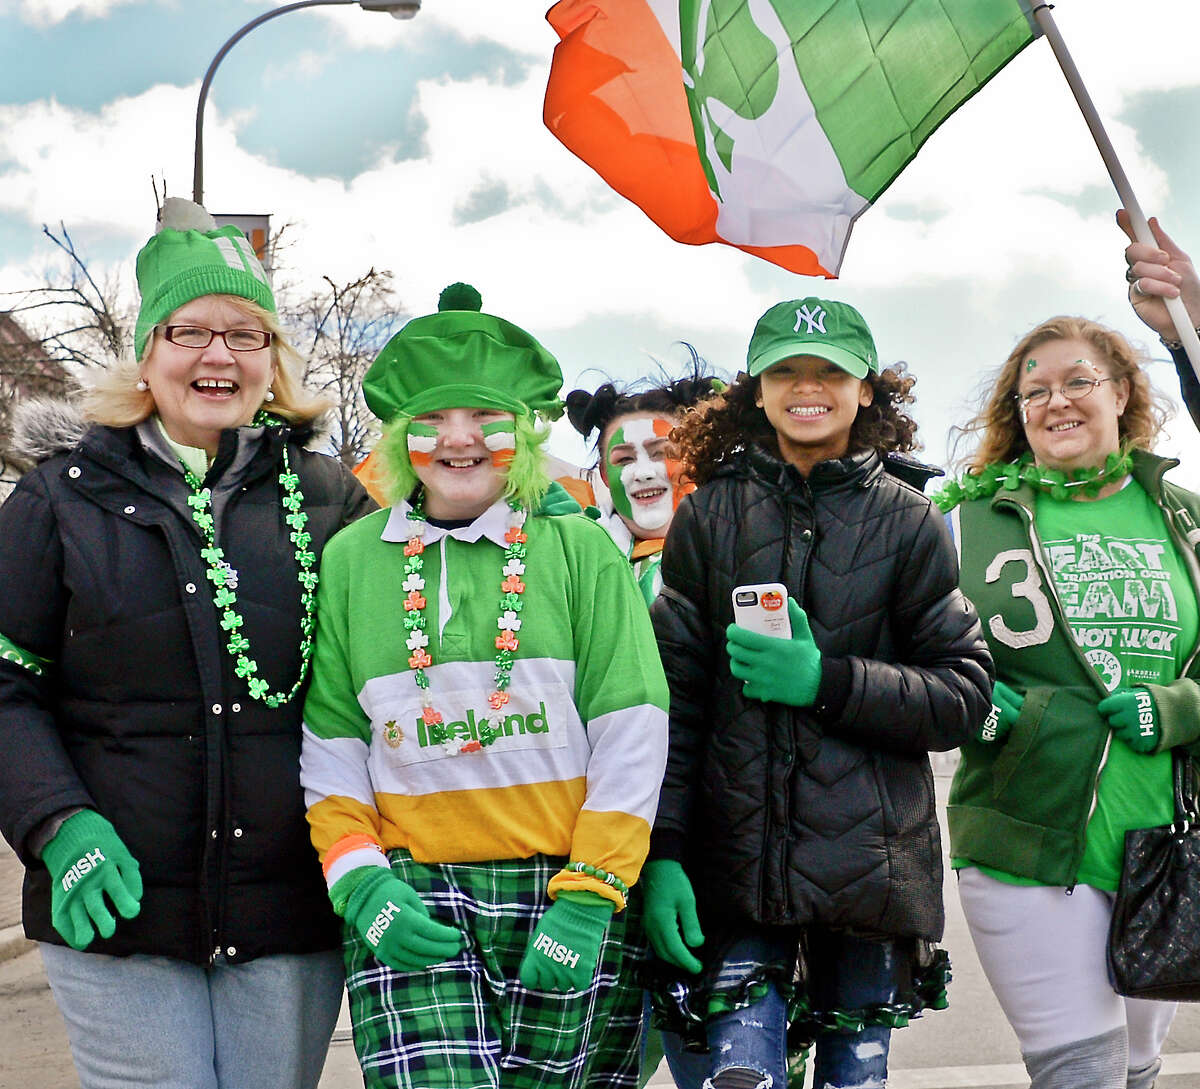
(460, 296)
(462, 358)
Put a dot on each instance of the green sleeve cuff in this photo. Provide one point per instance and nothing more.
(343, 888)
(1178, 707)
(586, 899)
(10, 652)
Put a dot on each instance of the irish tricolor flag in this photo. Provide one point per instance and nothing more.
(770, 125)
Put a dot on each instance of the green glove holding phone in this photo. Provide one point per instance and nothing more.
(776, 670)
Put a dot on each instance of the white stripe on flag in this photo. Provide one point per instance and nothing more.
(782, 162)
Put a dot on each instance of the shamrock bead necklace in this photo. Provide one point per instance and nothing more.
(1010, 475)
(225, 579)
(508, 623)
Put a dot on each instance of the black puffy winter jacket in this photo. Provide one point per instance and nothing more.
(784, 816)
(139, 714)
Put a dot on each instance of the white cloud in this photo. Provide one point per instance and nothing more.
(49, 12)
(989, 214)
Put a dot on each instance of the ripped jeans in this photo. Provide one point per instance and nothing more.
(748, 1047)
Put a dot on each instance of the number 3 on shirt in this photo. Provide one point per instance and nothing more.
(1030, 588)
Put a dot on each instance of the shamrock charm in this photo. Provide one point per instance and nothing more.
(507, 641)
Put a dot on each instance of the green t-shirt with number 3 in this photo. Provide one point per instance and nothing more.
(1126, 595)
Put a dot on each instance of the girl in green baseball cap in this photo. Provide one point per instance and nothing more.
(793, 888)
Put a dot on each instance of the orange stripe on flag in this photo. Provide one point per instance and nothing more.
(615, 98)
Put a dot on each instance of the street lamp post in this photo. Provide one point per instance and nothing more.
(404, 9)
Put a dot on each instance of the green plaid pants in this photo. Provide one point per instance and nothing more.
(468, 1023)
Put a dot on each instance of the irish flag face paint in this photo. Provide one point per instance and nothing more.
(501, 439)
(422, 441)
(642, 476)
(462, 457)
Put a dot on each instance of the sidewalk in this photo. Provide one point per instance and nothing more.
(12, 940)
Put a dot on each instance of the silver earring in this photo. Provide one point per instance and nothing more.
(269, 395)
(141, 385)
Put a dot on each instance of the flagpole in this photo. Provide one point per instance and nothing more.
(1141, 229)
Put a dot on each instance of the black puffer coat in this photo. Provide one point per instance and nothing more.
(140, 715)
(785, 816)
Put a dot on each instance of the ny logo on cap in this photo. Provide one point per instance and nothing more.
(814, 319)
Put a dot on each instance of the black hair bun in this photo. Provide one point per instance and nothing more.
(590, 412)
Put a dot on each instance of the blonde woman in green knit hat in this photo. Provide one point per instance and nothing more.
(485, 735)
(159, 573)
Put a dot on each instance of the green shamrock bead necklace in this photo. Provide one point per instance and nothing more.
(508, 623)
(224, 578)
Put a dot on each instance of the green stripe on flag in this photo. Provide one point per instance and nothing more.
(425, 431)
(500, 426)
(884, 74)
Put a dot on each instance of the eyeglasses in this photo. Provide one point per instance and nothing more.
(236, 340)
(1073, 389)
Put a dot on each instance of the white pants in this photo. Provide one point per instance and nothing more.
(1044, 952)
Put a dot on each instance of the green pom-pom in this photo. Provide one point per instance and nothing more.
(460, 297)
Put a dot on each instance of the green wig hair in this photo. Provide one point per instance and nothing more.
(527, 480)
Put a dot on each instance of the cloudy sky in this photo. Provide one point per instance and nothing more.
(418, 146)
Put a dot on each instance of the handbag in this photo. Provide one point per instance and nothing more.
(1154, 935)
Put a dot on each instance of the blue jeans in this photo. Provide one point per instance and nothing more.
(845, 972)
(166, 1023)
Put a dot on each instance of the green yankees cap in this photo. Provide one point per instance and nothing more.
(812, 326)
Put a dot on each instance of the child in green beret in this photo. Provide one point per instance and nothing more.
(485, 735)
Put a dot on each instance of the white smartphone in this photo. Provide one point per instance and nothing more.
(763, 608)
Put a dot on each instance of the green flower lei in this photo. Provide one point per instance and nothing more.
(225, 579)
(1010, 475)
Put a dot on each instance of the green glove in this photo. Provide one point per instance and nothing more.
(394, 922)
(671, 920)
(776, 670)
(558, 500)
(1133, 717)
(564, 948)
(87, 861)
(1006, 709)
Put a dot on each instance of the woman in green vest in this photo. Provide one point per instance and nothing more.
(1082, 560)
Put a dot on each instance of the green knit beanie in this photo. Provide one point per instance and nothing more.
(461, 358)
(190, 257)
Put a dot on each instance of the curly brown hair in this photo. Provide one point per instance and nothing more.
(998, 422)
(729, 422)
